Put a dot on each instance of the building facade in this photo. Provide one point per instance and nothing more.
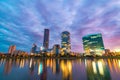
(34, 47)
(56, 49)
(46, 39)
(65, 42)
(93, 44)
(12, 49)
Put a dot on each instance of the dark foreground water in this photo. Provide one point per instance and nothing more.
(57, 69)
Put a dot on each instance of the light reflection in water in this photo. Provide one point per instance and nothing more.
(51, 69)
(30, 63)
(22, 62)
(94, 67)
(40, 68)
(66, 67)
(97, 70)
(119, 63)
(100, 67)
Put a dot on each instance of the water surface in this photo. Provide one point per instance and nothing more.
(59, 69)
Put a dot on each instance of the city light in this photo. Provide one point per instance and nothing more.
(100, 67)
(59, 39)
(117, 50)
(40, 68)
(94, 67)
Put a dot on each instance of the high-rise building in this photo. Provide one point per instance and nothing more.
(46, 39)
(93, 44)
(12, 48)
(56, 49)
(65, 42)
(34, 47)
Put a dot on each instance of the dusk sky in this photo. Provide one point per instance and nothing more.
(22, 22)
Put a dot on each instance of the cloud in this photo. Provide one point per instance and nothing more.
(23, 23)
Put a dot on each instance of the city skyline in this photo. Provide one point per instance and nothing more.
(23, 24)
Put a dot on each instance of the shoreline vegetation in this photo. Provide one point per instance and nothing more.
(61, 57)
(45, 55)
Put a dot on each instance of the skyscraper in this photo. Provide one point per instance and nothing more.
(46, 39)
(93, 44)
(65, 42)
(12, 48)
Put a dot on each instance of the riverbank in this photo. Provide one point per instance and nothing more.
(80, 57)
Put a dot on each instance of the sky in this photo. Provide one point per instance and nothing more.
(22, 22)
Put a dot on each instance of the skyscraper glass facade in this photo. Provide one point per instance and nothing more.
(93, 44)
(65, 43)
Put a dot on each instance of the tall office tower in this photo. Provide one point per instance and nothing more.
(12, 48)
(34, 47)
(93, 44)
(65, 42)
(46, 39)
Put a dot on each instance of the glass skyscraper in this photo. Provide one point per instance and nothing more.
(93, 44)
(65, 42)
(46, 39)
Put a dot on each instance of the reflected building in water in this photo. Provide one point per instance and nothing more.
(114, 66)
(60, 66)
(97, 70)
(55, 66)
(8, 66)
(59, 69)
(66, 68)
(22, 63)
(41, 69)
(31, 66)
(43, 73)
(9, 63)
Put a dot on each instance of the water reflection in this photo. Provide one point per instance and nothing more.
(59, 69)
(31, 66)
(66, 68)
(97, 70)
(8, 66)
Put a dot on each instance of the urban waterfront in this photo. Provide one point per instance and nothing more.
(59, 40)
(59, 69)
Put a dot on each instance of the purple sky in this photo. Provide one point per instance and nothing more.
(22, 22)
